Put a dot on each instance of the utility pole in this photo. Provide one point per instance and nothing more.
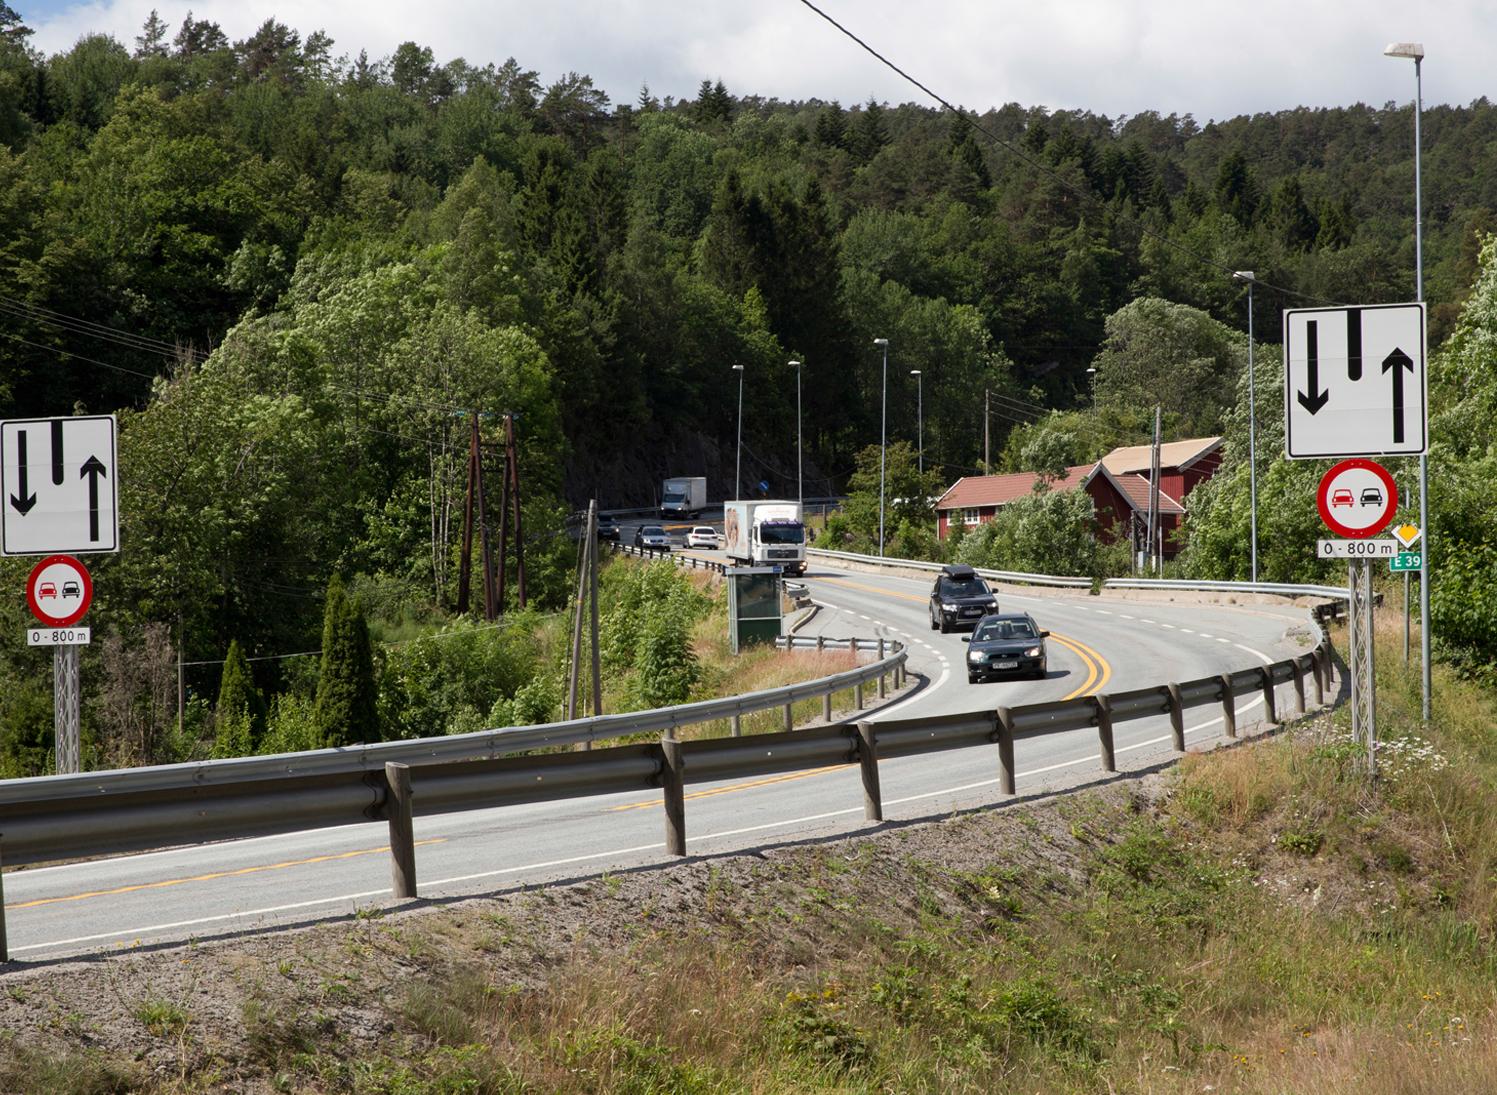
(1156, 537)
(987, 456)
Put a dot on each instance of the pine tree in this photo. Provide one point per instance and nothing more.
(831, 126)
(347, 708)
(962, 145)
(238, 698)
(868, 134)
(151, 41)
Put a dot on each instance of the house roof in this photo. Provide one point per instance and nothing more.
(972, 491)
(1136, 459)
(1136, 489)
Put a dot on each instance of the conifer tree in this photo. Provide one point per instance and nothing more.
(868, 134)
(347, 708)
(831, 126)
(237, 695)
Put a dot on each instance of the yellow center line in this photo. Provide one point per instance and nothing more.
(766, 782)
(874, 589)
(209, 877)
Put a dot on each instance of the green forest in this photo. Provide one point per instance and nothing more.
(295, 272)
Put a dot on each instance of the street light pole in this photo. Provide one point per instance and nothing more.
(738, 468)
(883, 443)
(1091, 374)
(1247, 276)
(800, 463)
(1415, 52)
(920, 419)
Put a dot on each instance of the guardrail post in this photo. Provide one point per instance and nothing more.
(1319, 665)
(1177, 717)
(1229, 706)
(4, 943)
(873, 801)
(402, 831)
(1003, 727)
(735, 724)
(1104, 732)
(857, 695)
(1299, 685)
(674, 785)
(820, 643)
(882, 677)
(1269, 713)
(789, 718)
(826, 708)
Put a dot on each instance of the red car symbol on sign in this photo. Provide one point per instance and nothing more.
(1341, 498)
(47, 589)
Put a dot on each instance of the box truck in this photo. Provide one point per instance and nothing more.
(765, 534)
(683, 497)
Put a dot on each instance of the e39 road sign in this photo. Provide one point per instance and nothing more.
(59, 486)
(1354, 382)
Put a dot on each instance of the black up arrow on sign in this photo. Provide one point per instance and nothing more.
(1316, 399)
(24, 503)
(1397, 361)
(94, 470)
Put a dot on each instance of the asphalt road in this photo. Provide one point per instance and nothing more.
(165, 898)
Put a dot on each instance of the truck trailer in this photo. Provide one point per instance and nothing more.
(683, 497)
(765, 534)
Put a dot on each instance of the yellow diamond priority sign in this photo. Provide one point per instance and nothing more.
(1407, 535)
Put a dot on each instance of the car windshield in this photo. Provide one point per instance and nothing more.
(653, 530)
(969, 587)
(782, 534)
(703, 532)
(675, 497)
(991, 630)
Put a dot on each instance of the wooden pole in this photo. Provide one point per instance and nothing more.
(575, 662)
(873, 801)
(491, 607)
(1104, 732)
(502, 577)
(512, 460)
(674, 786)
(402, 830)
(465, 564)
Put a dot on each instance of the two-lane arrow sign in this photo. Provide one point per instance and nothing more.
(61, 497)
(1337, 402)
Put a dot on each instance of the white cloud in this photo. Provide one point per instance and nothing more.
(1110, 56)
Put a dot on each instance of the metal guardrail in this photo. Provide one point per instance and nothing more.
(65, 816)
(681, 560)
(1284, 590)
(1012, 576)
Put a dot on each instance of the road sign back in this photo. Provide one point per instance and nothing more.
(59, 486)
(1354, 382)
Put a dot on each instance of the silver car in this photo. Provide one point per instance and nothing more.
(652, 536)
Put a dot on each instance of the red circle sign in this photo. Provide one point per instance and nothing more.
(1357, 498)
(59, 590)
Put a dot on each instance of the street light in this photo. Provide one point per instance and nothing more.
(800, 464)
(920, 419)
(1091, 374)
(1247, 276)
(738, 470)
(883, 439)
(1414, 51)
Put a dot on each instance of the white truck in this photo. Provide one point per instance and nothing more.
(683, 497)
(768, 534)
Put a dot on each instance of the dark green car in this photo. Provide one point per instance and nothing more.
(1008, 644)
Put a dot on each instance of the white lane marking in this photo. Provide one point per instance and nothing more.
(1145, 621)
(1223, 640)
(1255, 653)
(1125, 616)
(1104, 612)
(1170, 626)
(1187, 631)
(1205, 636)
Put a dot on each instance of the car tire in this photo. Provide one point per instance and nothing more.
(933, 624)
(945, 627)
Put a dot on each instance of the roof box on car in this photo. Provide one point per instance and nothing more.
(959, 571)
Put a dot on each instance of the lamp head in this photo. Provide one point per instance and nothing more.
(1412, 50)
(1243, 275)
(881, 342)
(914, 372)
(796, 364)
(1091, 372)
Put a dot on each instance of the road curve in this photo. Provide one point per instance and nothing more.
(166, 898)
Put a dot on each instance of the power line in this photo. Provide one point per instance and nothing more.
(1085, 194)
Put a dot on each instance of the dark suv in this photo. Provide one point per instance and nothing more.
(959, 599)
(608, 528)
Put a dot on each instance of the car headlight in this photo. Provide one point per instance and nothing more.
(975, 655)
(1032, 652)
(948, 608)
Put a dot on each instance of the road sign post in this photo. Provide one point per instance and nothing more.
(59, 591)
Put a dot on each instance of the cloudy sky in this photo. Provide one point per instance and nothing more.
(1205, 57)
